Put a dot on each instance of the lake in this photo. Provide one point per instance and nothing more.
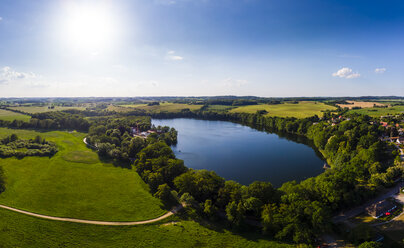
(241, 153)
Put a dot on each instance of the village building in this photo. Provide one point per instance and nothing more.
(381, 208)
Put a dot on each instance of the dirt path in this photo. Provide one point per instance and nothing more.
(94, 222)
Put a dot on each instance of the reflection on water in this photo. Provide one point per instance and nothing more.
(243, 154)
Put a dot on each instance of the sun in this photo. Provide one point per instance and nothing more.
(89, 27)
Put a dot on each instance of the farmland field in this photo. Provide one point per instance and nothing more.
(376, 112)
(38, 109)
(10, 116)
(360, 104)
(300, 110)
(165, 107)
(75, 183)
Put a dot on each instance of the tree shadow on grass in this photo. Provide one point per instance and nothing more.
(115, 162)
(221, 225)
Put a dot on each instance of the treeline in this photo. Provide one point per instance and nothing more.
(361, 164)
(113, 137)
(50, 121)
(12, 146)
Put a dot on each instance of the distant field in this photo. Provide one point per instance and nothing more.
(75, 183)
(360, 104)
(17, 230)
(168, 107)
(36, 109)
(300, 110)
(10, 116)
(119, 108)
(220, 108)
(376, 112)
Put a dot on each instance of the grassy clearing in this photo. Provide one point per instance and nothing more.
(377, 112)
(75, 183)
(220, 108)
(18, 230)
(360, 104)
(165, 107)
(37, 109)
(300, 110)
(10, 116)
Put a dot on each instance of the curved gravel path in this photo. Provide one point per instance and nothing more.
(95, 222)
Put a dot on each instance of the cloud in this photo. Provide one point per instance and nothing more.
(171, 56)
(1, 18)
(346, 72)
(7, 74)
(380, 70)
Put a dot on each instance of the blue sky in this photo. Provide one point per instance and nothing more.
(201, 47)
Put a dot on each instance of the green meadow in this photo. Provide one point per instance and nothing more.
(10, 116)
(17, 230)
(377, 112)
(41, 109)
(75, 183)
(300, 110)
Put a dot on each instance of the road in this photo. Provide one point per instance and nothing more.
(343, 216)
(95, 222)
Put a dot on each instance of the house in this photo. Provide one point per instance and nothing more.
(383, 123)
(381, 208)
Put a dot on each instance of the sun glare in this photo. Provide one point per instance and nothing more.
(88, 27)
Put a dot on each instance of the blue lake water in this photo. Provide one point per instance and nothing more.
(241, 153)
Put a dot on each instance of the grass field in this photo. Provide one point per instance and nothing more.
(165, 106)
(220, 108)
(37, 109)
(360, 104)
(18, 230)
(75, 183)
(10, 116)
(300, 110)
(376, 112)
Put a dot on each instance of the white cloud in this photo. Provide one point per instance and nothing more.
(380, 70)
(1, 18)
(346, 72)
(171, 56)
(7, 74)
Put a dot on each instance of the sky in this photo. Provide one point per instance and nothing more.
(268, 48)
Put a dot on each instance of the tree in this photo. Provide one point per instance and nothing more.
(188, 200)
(13, 137)
(164, 193)
(235, 213)
(209, 209)
(370, 244)
(136, 144)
